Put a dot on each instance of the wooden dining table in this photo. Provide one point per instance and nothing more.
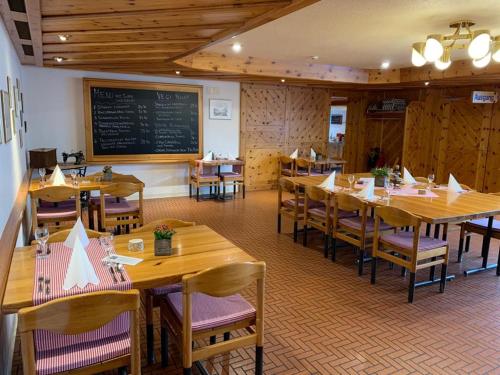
(91, 183)
(194, 249)
(446, 208)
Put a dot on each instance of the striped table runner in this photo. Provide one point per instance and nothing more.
(52, 346)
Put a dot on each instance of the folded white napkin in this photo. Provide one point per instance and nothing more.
(80, 271)
(408, 179)
(295, 154)
(453, 185)
(313, 154)
(209, 156)
(78, 231)
(368, 192)
(329, 183)
(230, 156)
(57, 177)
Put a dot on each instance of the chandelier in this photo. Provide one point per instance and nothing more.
(481, 47)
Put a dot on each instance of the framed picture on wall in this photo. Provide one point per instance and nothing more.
(220, 109)
(9, 91)
(6, 117)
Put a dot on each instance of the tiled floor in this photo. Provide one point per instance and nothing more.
(321, 318)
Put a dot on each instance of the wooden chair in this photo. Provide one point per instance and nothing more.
(407, 249)
(290, 207)
(477, 226)
(302, 167)
(60, 236)
(234, 178)
(201, 176)
(356, 230)
(152, 297)
(286, 166)
(318, 214)
(115, 211)
(209, 306)
(78, 314)
(64, 206)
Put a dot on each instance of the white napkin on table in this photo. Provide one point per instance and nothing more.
(209, 156)
(313, 154)
(57, 177)
(368, 192)
(453, 185)
(78, 231)
(80, 271)
(329, 183)
(295, 154)
(408, 179)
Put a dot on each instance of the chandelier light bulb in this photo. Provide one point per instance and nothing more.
(417, 54)
(433, 48)
(479, 46)
(496, 49)
(444, 61)
(482, 62)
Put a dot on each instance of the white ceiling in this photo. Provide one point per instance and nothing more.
(361, 33)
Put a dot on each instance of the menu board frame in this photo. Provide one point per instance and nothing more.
(89, 83)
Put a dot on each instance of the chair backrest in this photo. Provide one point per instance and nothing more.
(286, 161)
(116, 177)
(78, 314)
(121, 189)
(172, 223)
(346, 202)
(60, 236)
(397, 217)
(55, 193)
(287, 185)
(302, 163)
(318, 194)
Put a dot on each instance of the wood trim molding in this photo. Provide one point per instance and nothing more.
(11, 231)
(34, 18)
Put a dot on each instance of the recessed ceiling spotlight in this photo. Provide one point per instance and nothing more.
(315, 57)
(63, 37)
(427, 83)
(385, 64)
(234, 36)
(59, 59)
(282, 80)
(177, 72)
(236, 47)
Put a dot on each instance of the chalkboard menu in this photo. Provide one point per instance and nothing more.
(141, 121)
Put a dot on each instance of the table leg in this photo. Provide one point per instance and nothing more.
(484, 251)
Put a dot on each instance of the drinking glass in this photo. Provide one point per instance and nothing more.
(73, 174)
(351, 180)
(42, 172)
(106, 242)
(430, 180)
(42, 236)
(387, 188)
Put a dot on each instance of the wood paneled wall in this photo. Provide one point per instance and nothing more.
(275, 120)
(442, 132)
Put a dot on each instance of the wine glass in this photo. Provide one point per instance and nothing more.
(430, 180)
(106, 241)
(387, 189)
(351, 180)
(42, 236)
(73, 174)
(42, 172)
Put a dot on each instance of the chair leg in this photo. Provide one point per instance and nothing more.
(361, 262)
(295, 231)
(190, 190)
(334, 249)
(403, 269)
(304, 239)
(150, 339)
(326, 245)
(467, 244)
(498, 263)
(442, 283)
(227, 336)
(411, 287)
(197, 193)
(428, 230)
(460, 248)
(374, 270)
(243, 187)
(164, 344)
(223, 190)
(259, 360)
(279, 223)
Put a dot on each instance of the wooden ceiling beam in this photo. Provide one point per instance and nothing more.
(107, 60)
(160, 53)
(122, 46)
(8, 20)
(35, 23)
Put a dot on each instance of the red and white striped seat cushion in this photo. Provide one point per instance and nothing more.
(166, 289)
(211, 312)
(355, 223)
(63, 212)
(80, 355)
(405, 240)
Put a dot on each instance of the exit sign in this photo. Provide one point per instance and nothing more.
(484, 97)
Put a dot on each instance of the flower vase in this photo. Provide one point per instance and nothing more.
(163, 247)
(380, 181)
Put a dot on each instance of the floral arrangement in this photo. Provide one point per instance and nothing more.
(380, 172)
(163, 232)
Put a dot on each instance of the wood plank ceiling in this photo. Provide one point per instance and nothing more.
(134, 36)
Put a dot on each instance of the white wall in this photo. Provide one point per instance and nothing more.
(56, 120)
(12, 170)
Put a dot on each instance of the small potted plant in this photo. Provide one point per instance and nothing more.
(107, 173)
(380, 174)
(163, 240)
